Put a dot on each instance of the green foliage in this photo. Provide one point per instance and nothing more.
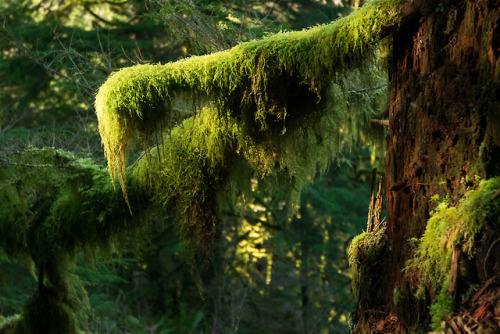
(53, 58)
(17, 284)
(442, 303)
(265, 111)
(67, 138)
(207, 26)
(290, 272)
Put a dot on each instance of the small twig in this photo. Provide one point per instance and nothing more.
(485, 286)
(371, 208)
(91, 12)
(357, 91)
(495, 196)
(383, 122)
(454, 272)
(4, 164)
(487, 255)
(142, 155)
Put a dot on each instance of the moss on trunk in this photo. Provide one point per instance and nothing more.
(443, 136)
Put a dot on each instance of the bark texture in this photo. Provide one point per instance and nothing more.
(444, 131)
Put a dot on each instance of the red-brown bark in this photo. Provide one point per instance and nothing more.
(444, 130)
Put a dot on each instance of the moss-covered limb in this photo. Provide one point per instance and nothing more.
(254, 79)
(55, 204)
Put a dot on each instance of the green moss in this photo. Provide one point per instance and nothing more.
(442, 303)
(397, 296)
(255, 81)
(364, 253)
(55, 204)
(8, 325)
(454, 226)
(447, 228)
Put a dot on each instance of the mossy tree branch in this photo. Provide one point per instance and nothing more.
(141, 100)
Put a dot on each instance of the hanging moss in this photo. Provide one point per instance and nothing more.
(259, 81)
(209, 160)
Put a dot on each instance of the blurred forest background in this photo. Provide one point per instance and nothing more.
(271, 273)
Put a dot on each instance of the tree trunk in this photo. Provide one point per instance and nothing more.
(444, 131)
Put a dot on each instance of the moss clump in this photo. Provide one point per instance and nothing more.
(448, 228)
(8, 325)
(259, 81)
(364, 253)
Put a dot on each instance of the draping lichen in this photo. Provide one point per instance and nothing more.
(268, 82)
